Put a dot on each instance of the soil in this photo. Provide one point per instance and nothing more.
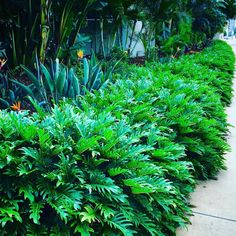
(139, 61)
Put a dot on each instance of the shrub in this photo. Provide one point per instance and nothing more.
(80, 172)
(191, 110)
(207, 67)
(121, 162)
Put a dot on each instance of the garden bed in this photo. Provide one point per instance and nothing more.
(123, 160)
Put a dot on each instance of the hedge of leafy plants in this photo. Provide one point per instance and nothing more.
(218, 59)
(124, 160)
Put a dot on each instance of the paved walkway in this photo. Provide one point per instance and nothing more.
(215, 201)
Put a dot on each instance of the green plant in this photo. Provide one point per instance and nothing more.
(10, 93)
(229, 9)
(94, 77)
(118, 54)
(51, 84)
(199, 64)
(208, 16)
(178, 40)
(197, 42)
(78, 172)
(199, 127)
(120, 163)
(46, 28)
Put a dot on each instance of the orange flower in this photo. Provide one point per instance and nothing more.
(16, 106)
(2, 62)
(80, 54)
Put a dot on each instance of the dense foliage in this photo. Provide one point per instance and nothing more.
(198, 66)
(45, 47)
(58, 28)
(43, 28)
(123, 161)
(184, 92)
(93, 148)
(230, 9)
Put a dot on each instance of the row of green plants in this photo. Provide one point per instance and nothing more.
(199, 64)
(121, 160)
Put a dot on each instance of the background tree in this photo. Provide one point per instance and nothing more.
(208, 18)
(48, 28)
(230, 9)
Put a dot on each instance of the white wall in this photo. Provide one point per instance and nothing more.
(137, 45)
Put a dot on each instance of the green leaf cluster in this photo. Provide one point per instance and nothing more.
(123, 162)
(56, 81)
(208, 67)
(90, 173)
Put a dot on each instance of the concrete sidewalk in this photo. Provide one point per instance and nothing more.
(215, 201)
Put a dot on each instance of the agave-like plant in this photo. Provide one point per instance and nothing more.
(50, 83)
(94, 77)
(55, 82)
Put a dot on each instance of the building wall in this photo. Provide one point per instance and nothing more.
(230, 29)
(121, 39)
